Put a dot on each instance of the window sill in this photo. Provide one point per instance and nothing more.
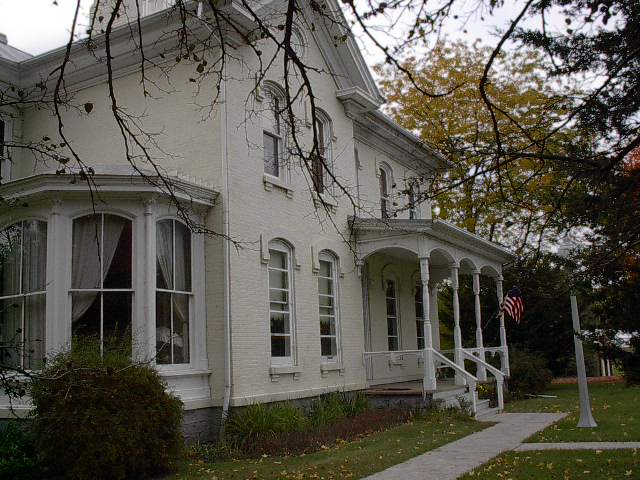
(322, 199)
(180, 372)
(277, 370)
(325, 368)
(270, 181)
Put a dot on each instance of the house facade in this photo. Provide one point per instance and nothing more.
(242, 276)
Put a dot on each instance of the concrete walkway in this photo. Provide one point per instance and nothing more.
(454, 459)
(527, 447)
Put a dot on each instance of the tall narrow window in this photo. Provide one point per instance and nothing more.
(321, 163)
(173, 291)
(5, 161)
(419, 316)
(385, 190)
(101, 279)
(329, 310)
(273, 135)
(393, 331)
(412, 200)
(280, 303)
(23, 259)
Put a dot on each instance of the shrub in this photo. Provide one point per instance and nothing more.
(16, 452)
(262, 420)
(104, 417)
(529, 373)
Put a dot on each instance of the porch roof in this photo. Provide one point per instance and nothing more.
(423, 236)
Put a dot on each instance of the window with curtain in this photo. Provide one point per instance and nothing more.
(173, 291)
(101, 279)
(273, 134)
(23, 260)
(5, 161)
(280, 303)
(385, 189)
(322, 163)
(419, 316)
(393, 330)
(329, 308)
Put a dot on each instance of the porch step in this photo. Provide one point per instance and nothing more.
(487, 413)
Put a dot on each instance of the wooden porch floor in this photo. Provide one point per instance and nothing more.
(412, 388)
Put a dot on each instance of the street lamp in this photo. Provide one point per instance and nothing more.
(586, 417)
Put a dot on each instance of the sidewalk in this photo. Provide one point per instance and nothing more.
(452, 460)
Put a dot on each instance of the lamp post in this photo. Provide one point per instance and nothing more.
(586, 417)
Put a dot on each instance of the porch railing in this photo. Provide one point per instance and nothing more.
(469, 354)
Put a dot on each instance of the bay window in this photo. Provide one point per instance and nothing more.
(23, 259)
(173, 291)
(280, 303)
(101, 279)
(329, 308)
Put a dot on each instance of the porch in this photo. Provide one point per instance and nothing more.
(403, 265)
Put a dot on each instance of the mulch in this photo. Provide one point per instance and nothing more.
(574, 380)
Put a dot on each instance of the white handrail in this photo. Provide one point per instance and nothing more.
(499, 376)
(472, 380)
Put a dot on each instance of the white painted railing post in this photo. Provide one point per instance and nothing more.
(500, 392)
(503, 332)
(457, 334)
(481, 373)
(429, 382)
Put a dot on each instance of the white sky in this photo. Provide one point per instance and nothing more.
(37, 26)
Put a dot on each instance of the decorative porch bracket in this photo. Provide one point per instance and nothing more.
(429, 382)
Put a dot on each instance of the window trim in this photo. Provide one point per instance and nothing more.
(282, 246)
(273, 92)
(5, 154)
(101, 291)
(328, 256)
(23, 295)
(324, 180)
(397, 314)
(385, 180)
(190, 294)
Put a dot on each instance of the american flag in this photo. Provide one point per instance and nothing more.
(513, 304)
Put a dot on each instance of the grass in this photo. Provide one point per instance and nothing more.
(615, 408)
(353, 460)
(561, 465)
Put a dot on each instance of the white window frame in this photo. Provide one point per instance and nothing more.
(395, 318)
(273, 94)
(330, 258)
(283, 247)
(419, 319)
(21, 294)
(324, 125)
(5, 154)
(385, 180)
(101, 290)
(173, 291)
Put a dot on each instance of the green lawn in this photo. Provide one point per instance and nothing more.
(561, 465)
(346, 460)
(616, 408)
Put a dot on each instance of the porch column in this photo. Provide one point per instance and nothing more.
(503, 333)
(482, 372)
(429, 382)
(457, 334)
(435, 319)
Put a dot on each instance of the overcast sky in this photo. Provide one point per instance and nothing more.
(37, 26)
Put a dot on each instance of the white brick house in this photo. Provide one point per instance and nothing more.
(291, 312)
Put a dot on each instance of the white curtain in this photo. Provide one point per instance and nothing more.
(164, 254)
(86, 256)
(10, 258)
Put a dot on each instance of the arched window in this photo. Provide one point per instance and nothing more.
(274, 133)
(281, 313)
(393, 325)
(322, 163)
(101, 279)
(386, 181)
(419, 316)
(173, 291)
(23, 260)
(329, 308)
